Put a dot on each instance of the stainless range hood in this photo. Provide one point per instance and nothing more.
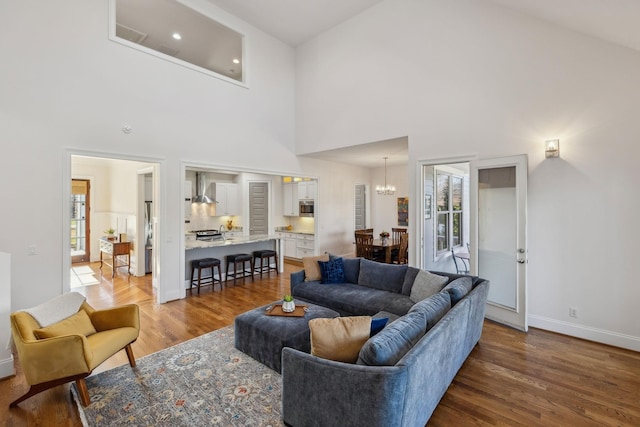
(201, 187)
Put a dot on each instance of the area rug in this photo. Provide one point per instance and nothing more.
(203, 381)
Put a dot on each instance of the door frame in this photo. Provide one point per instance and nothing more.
(160, 209)
(417, 243)
(518, 317)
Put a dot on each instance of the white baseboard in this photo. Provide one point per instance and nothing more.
(585, 332)
(6, 368)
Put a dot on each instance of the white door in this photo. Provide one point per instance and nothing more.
(498, 235)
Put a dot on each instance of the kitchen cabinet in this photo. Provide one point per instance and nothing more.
(187, 200)
(226, 196)
(305, 245)
(290, 204)
(307, 190)
(290, 244)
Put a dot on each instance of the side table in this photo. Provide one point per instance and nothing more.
(119, 255)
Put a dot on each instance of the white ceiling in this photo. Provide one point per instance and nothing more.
(294, 21)
(297, 21)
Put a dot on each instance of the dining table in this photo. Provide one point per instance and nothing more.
(386, 247)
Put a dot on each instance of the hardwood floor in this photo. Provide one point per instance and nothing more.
(510, 378)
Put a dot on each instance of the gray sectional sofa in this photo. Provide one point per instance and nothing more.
(403, 371)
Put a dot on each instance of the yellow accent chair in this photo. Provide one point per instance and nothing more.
(71, 348)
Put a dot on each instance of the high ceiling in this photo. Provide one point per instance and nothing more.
(295, 22)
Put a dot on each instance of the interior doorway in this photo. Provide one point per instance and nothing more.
(80, 226)
(117, 190)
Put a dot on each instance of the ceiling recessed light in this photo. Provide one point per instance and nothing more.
(236, 61)
(177, 36)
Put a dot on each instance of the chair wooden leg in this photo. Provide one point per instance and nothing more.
(81, 385)
(38, 388)
(130, 356)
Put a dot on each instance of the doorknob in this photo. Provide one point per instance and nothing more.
(521, 261)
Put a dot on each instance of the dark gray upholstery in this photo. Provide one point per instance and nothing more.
(385, 277)
(319, 392)
(262, 336)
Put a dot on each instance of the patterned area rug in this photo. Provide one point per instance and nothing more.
(203, 381)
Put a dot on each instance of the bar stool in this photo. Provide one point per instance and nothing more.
(202, 264)
(262, 255)
(238, 260)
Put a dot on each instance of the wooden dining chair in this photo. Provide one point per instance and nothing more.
(401, 256)
(364, 247)
(396, 233)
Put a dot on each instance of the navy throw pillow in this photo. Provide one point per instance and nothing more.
(332, 271)
(377, 324)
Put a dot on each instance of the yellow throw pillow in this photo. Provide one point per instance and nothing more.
(312, 268)
(78, 324)
(340, 338)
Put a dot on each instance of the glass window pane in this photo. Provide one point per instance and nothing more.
(443, 232)
(443, 192)
(456, 196)
(456, 235)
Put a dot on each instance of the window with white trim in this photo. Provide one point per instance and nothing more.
(449, 211)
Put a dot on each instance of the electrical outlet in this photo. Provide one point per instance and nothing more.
(31, 250)
(573, 312)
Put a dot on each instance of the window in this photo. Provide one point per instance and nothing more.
(175, 32)
(449, 212)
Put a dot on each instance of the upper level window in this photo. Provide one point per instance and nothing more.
(172, 31)
(449, 212)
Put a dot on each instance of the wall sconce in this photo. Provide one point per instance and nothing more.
(552, 148)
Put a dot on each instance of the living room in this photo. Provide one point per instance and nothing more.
(472, 78)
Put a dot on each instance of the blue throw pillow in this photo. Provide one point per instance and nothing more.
(377, 325)
(332, 271)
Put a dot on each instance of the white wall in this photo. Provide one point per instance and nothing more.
(470, 78)
(6, 357)
(384, 209)
(67, 89)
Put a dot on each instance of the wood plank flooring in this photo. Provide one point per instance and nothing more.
(510, 378)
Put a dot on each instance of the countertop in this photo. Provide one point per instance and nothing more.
(309, 233)
(230, 241)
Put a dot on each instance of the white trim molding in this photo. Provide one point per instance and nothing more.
(585, 332)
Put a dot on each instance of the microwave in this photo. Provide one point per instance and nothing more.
(307, 207)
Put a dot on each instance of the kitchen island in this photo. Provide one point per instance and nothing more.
(197, 249)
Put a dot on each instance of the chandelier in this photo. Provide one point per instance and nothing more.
(386, 189)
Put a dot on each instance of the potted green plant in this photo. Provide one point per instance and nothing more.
(288, 305)
(110, 233)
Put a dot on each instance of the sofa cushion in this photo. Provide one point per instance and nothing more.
(426, 284)
(351, 269)
(434, 308)
(311, 267)
(458, 288)
(389, 346)
(385, 277)
(78, 324)
(339, 339)
(409, 278)
(377, 324)
(332, 271)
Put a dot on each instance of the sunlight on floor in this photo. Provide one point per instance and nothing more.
(82, 276)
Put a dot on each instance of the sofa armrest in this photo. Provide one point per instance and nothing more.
(53, 358)
(117, 317)
(322, 392)
(296, 278)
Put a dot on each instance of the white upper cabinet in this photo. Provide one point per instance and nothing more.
(226, 196)
(290, 205)
(307, 190)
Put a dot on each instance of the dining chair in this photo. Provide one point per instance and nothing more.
(364, 247)
(396, 233)
(401, 256)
